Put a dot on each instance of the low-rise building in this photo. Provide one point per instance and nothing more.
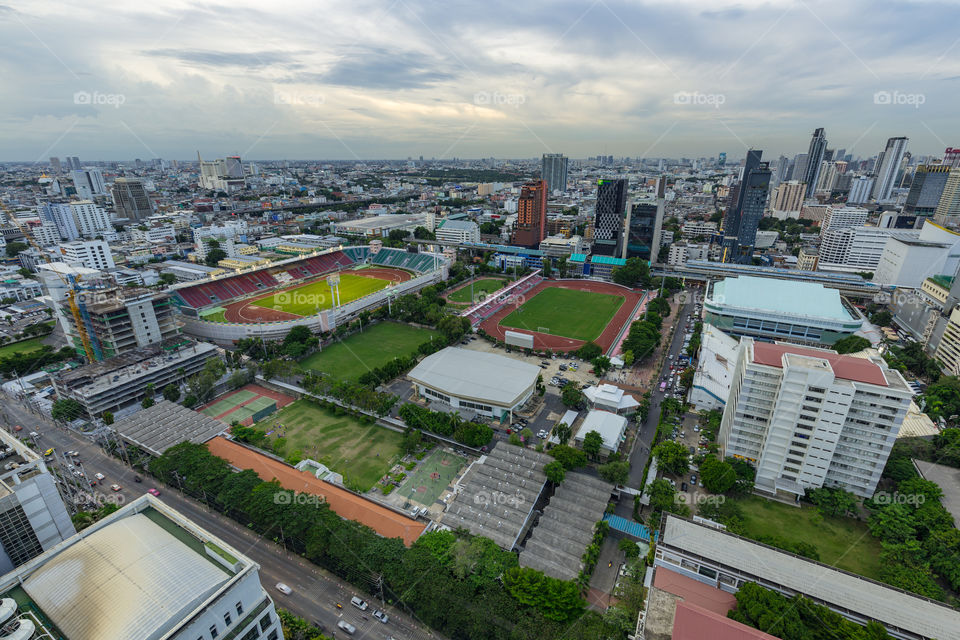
(457, 231)
(611, 427)
(715, 368)
(561, 246)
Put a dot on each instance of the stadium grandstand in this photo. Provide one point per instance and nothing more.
(223, 308)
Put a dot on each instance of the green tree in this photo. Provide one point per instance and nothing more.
(107, 418)
(554, 471)
(547, 268)
(628, 547)
(147, 402)
(834, 502)
(672, 457)
(14, 248)
(562, 266)
(882, 318)
(589, 351)
(171, 392)
(571, 396)
(214, 256)
(717, 476)
(167, 278)
(616, 472)
(563, 432)
(851, 344)
(601, 364)
(66, 409)
(570, 457)
(592, 442)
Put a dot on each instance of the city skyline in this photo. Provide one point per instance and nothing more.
(381, 81)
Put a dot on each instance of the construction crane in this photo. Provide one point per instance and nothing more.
(91, 348)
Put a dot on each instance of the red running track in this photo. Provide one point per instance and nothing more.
(558, 343)
(246, 312)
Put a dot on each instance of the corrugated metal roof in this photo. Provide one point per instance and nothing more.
(486, 377)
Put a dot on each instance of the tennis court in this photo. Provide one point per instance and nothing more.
(430, 479)
(228, 404)
(246, 405)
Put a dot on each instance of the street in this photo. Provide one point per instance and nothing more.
(315, 591)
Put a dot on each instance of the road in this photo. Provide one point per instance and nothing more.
(315, 591)
(641, 449)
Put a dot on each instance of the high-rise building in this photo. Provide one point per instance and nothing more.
(782, 172)
(531, 223)
(722, 159)
(787, 200)
(233, 167)
(93, 254)
(948, 210)
(74, 163)
(818, 147)
(799, 168)
(839, 217)
(609, 216)
(853, 249)
(130, 199)
(88, 183)
(33, 518)
(860, 189)
(743, 216)
(951, 157)
(808, 418)
(90, 219)
(929, 182)
(61, 215)
(122, 320)
(55, 166)
(145, 571)
(888, 166)
(553, 169)
(223, 174)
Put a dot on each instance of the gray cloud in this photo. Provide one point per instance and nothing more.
(250, 60)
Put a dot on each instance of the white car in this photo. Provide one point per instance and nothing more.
(381, 616)
(358, 603)
(284, 589)
(346, 626)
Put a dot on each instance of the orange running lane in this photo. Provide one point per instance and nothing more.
(386, 522)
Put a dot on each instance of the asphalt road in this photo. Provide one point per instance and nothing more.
(315, 591)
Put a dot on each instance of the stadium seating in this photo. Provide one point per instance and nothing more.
(244, 284)
(357, 254)
(419, 262)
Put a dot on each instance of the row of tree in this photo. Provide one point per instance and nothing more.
(450, 425)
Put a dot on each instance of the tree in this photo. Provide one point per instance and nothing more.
(147, 402)
(660, 306)
(562, 266)
(616, 472)
(570, 458)
(686, 378)
(107, 418)
(13, 248)
(851, 344)
(628, 547)
(66, 409)
(411, 440)
(717, 476)
(882, 318)
(834, 502)
(554, 471)
(571, 396)
(589, 351)
(635, 272)
(547, 268)
(171, 392)
(592, 442)
(601, 364)
(662, 495)
(422, 233)
(672, 457)
(214, 256)
(563, 432)
(167, 278)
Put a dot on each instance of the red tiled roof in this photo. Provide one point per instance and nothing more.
(694, 591)
(844, 367)
(386, 522)
(694, 623)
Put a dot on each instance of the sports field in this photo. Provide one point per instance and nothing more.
(570, 313)
(33, 344)
(244, 404)
(362, 453)
(316, 296)
(481, 288)
(374, 347)
(214, 315)
(431, 477)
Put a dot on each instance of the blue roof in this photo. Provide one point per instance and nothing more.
(617, 262)
(578, 257)
(788, 297)
(635, 529)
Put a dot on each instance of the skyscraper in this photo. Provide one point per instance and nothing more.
(88, 183)
(74, 163)
(553, 169)
(531, 225)
(608, 216)
(644, 226)
(743, 218)
(929, 181)
(948, 210)
(731, 221)
(55, 165)
(818, 147)
(888, 164)
(799, 167)
(130, 199)
(951, 157)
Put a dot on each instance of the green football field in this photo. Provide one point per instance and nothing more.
(480, 289)
(316, 296)
(581, 315)
(360, 352)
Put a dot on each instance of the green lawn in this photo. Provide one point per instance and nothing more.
(316, 296)
(361, 453)
(361, 352)
(581, 315)
(481, 288)
(842, 542)
(32, 344)
(216, 316)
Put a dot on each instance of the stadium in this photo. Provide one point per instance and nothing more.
(321, 291)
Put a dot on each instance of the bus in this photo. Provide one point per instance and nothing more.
(663, 387)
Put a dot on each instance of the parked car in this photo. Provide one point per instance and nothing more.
(99, 476)
(359, 603)
(693, 479)
(381, 616)
(346, 626)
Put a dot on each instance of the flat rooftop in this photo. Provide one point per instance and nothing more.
(481, 376)
(784, 297)
(865, 597)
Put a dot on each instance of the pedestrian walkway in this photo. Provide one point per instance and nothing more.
(630, 528)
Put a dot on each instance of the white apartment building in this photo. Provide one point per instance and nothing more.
(854, 249)
(698, 228)
(45, 234)
(88, 183)
(158, 233)
(233, 229)
(681, 252)
(860, 189)
(457, 231)
(93, 254)
(90, 219)
(837, 217)
(560, 247)
(807, 418)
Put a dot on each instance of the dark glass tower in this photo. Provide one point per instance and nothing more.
(608, 217)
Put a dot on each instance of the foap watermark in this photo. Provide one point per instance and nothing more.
(293, 497)
(695, 98)
(297, 98)
(293, 297)
(899, 98)
(885, 497)
(98, 499)
(483, 498)
(96, 98)
(698, 499)
(495, 98)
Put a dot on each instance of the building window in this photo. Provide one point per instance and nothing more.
(18, 537)
(239, 608)
(213, 631)
(264, 622)
(227, 620)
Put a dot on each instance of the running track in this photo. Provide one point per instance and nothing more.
(558, 343)
(246, 312)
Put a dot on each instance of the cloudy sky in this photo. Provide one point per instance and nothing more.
(391, 79)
